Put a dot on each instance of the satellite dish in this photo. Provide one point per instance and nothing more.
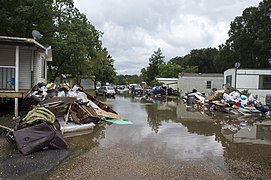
(36, 35)
(237, 65)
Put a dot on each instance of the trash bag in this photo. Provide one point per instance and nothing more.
(191, 99)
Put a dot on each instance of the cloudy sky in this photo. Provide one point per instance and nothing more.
(134, 29)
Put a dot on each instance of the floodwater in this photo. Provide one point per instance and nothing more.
(165, 141)
(240, 146)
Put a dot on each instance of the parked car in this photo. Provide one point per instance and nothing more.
(137, 89)
(158, 90)
(106, 91)
(162, 90)
(121, 89)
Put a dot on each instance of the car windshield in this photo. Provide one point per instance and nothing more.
(110, 88)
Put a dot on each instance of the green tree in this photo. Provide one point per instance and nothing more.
(191, 69)
(80, 52)
(225, 58)
(101, 68)
(249, 36)
(121, 80)
(182, 61)
(143, 74)
(131, 79)
(155, 60)
(19, 18)
(75, 42)
(203, 59)
(169, 70)
(155, 83)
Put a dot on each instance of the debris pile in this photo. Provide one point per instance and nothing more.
(229, 100)
(49, 111)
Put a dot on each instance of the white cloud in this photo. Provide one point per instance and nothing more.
(134, 29)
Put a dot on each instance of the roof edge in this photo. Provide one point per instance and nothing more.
(20, 39)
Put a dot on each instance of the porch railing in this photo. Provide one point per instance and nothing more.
(7, 77)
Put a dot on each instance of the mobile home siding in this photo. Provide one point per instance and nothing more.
(38, 68)
(7, 55)
(29, 68)
(7, 58)
(186, 83)
(249, 79)
(171, 82)
(87, 83)
(25, 68)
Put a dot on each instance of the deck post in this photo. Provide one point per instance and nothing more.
(16, 101)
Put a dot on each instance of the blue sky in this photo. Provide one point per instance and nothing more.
(134, 29)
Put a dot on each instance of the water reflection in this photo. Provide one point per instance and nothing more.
(158, 130)
(161, 111)
(164, 127)
(244, 129)
(246, 140)
(86, 141)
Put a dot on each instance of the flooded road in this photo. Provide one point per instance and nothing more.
(193, 143)
(158, 129)
(165, 141)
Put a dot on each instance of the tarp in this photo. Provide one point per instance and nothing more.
(117, 121)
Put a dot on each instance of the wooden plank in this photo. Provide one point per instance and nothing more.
(218, 103)
(12, 94)
(101, 112)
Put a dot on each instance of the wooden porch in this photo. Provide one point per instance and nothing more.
(12, 94)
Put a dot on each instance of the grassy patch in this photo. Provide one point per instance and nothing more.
(7, 120)
(90, 92)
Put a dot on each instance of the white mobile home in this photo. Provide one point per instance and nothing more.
(202, 82)
(257, 82)
(170, 82)
(87, 83)
(23, 63)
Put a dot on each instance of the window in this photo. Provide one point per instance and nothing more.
(265, 82)
(209, 85)
(229, 80)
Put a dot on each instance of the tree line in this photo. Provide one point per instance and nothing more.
(77, 47)
(78, 50)
(249, 43)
